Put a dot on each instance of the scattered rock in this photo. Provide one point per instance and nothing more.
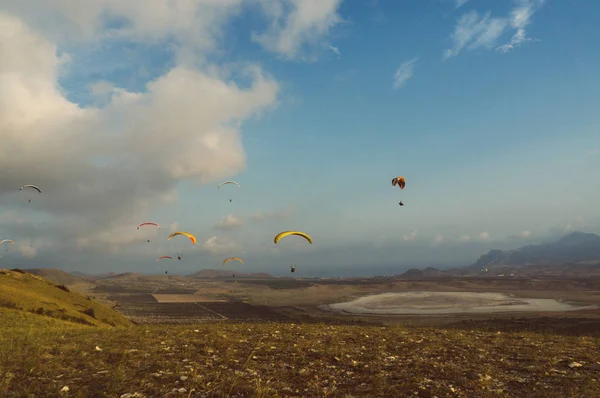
(183, 378)
(98, 348)
(64, 389)
(575, 365)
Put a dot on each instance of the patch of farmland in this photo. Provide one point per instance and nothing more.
(183, 298)
(145, 309)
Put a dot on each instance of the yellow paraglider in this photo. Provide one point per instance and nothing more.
(233, 258)
(192, 237)
(286, 233)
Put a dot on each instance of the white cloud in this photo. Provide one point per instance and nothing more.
(102, 89)
(464, 238)
(484, 235)
(411, 236)
(304, 25)
(520, 17)
(473, 31)
(438, 239)
(12, 217)
(334, 49)
(230, 222)
(216, 245)
(525, 234)
(195, 23)
(594, 152)
(522, 235)
(460, 3)
(27, 250)
(404, 72)
(155, 138)
(277, 214)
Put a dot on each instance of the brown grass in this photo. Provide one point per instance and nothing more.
(285, 360)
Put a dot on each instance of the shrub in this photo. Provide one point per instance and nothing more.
(63, 287)
(89, 312)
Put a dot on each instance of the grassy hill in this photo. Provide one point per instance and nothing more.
(55, 275)
(21, 291)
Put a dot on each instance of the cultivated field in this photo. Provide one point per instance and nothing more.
(302, 300)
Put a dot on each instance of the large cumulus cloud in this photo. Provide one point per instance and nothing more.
(101, 169)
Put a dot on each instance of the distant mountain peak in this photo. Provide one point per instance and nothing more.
(579, 238)
(572, 248)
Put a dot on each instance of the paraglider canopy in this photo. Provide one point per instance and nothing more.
(149, 223)
(31, 186)
(192, 237)
(283, 234)
(229, 182)
(400, 181)
(231, 259)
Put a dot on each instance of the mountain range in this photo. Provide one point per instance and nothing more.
(577, 247)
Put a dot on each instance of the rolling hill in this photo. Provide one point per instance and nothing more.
(428, 272)
(56, 275)
(24, 295)
(577, 247)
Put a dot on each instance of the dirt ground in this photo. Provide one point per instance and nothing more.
(178, 300)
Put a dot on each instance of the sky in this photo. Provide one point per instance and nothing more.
(126, 112)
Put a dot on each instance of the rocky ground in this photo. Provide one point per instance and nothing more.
(291, 360)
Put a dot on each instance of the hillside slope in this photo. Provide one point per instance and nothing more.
(25, 292)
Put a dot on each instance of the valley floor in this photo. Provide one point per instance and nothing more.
(41, 357)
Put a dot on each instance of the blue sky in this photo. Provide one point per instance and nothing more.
(488, 109)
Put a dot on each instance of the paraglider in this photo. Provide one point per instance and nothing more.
(401, 183)
(179, 257)
(164, 257)
(293, 268)
(233, 258)
(287, 233)
(32, 187)
(192, 237)
(148, 223)
(7, 241)
(226, 183)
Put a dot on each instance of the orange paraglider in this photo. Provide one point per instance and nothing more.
(400, 181)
